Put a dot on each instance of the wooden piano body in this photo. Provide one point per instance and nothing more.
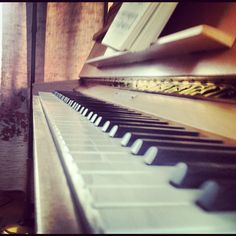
(131, 85)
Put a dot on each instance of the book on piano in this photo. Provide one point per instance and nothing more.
(137, 25)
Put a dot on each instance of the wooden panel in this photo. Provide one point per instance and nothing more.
(195, 39)
(219, 62)
(217, 119)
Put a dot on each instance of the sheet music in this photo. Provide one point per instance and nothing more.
(127, 24)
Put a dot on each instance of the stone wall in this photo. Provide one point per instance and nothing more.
(69, 31)
(13, 105)
(64, 39)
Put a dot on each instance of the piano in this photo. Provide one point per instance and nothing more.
(141, 147)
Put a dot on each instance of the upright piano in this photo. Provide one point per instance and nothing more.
(141, 145)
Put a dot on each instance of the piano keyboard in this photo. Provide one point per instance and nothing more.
(133, 173)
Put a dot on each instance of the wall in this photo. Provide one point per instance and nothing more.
(60, 53)
(13, 107)
(69, 31)
(40, 41)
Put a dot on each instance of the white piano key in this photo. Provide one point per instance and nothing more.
(125, 195)
(79, 143)
(168, 218)
(90, 115)
(85, 112)
(77, 129)
(147, 177)
(89, 141)
(100, 148)
(109, 148)
(67, 134)
(74, 105)
(75, 139)
(140, 195)
(95, 139)
(96, 156)
(70, 121)
(111, 166)
(81, 110)
(94, 117)
(82, 148)
(78, 107)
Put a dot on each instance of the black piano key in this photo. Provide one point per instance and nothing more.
(137, 119)
(193, 175)
(81, 109)
(140, 146)
(171, 156)
(142, 122)
(92, 102)
(105, 108)
(89, 116)
(218, 196)
(130, 137)
(82, 98)
(119, 131)
(94, 118)
(108, 111)
(98, 105)
(116, 114)
(70, 102)
(101, 120)
(66, 100)
(85, 112)
(75, 105)
(108, 125)
(78, 108)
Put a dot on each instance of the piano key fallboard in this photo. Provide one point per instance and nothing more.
(130, 172)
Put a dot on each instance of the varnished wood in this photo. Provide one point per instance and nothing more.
(214, 118)
(194, 39)
(217, 62)
(189, 14)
